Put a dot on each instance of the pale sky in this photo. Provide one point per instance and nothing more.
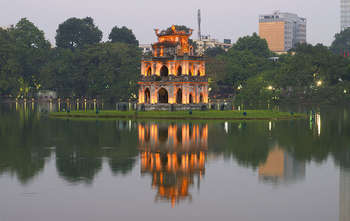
(220, 18)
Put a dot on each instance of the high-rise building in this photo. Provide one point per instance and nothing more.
(282, 31)
(345, 14)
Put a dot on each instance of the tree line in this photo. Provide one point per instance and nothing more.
(80, 65)
(252, 74)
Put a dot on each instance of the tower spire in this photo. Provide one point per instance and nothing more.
(199, 25)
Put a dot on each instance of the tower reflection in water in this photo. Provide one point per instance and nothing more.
(174, 155)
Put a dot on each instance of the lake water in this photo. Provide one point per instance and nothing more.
(54, 169)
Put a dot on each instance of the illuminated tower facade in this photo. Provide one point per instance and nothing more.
(173, 74)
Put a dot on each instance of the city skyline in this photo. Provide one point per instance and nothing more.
(221, 19)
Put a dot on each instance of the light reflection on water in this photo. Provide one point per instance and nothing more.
(221, 169)
(174, 155)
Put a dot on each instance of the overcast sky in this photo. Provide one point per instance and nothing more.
(220, 18)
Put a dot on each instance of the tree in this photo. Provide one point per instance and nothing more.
(124, 35)
(75, 33)
(106, 70)
(341, 44)
(27, 34)
(23, 52)
(256, 91)
(254, 44)
(7, 79)
(213, 52)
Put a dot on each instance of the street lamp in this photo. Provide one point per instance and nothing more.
(319, 83)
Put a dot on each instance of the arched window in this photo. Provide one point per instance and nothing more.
(164, 71)
(179, 96)
(163, 134)
(149, 71)
(147, 96)
(190, 99)
(190, 130)
(147, 134)
(179, 134)
(162, 96)
(179, 71)
(201, 98)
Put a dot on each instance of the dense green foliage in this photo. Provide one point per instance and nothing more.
(75, 33)
(253, 74)
(213, 52)
(23, 52)
(107, 70)
(124, 35)
(341, 44)
(80, 65)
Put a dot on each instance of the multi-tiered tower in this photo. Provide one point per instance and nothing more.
(173, 74)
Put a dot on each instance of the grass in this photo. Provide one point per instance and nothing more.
(183, 115)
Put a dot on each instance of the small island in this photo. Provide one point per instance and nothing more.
(182, 115)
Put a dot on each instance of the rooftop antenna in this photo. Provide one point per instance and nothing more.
(199, 25)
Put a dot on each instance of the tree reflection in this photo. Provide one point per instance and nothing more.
(28, 140)
(22, 149)
(83, 147)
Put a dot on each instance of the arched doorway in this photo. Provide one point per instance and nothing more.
(179, 71)
(162, 96)
(179, 134)
(190, 100)
(179, 96)
(190, 70)
(199, 73)
(164, 71)
(163, 134)
(201, 98)
(149, 71)
(147, 96)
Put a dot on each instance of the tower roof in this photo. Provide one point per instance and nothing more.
(174, 30)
